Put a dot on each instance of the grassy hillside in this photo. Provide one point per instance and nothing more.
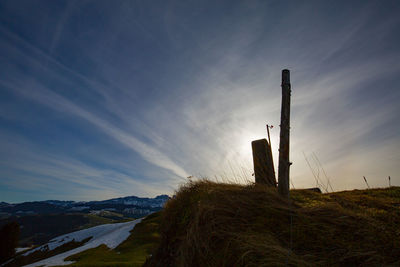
(39, 229)
(132, 252)
(214, 224)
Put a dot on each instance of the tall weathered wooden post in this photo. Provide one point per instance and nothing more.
(284, 163)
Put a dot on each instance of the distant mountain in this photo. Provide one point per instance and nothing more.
(26, 208)
(156, 202)
(4, 204)
(130, 206)
(60, 203)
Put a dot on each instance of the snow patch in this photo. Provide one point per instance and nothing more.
(18, 250)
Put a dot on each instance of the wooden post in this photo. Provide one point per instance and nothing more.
(263, 164)
(284, 163)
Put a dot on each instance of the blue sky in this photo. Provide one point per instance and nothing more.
(101, 99)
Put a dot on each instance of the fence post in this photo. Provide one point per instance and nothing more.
(263, 164)
(284, 163)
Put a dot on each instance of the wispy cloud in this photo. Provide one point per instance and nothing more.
(61, 104)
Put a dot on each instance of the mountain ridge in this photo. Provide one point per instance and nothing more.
(62, 206)
(67, 202)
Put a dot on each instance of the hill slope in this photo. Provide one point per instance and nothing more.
(110, 235)
(39, 229)
(41, 221)
(210, 224)
(132, 252)
(105, 245)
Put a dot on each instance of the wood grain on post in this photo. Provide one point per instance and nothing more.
(284, 163)
(263, 165)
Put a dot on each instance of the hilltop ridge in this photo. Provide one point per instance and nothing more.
(214, 224)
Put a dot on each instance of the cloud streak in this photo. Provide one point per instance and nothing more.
(59, 103)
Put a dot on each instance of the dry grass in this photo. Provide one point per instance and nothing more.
(219, 224)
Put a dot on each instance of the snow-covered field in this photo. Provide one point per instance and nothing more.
(109, 234)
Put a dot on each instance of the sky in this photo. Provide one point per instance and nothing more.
(102, 99)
